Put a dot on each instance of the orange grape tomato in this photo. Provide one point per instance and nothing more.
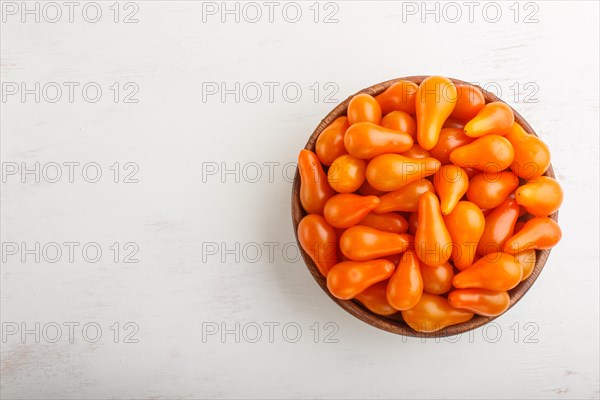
(532, 156)
(314, 188)
(450, 139)
(480, 301)
(390, 172)
(468, 102)
(349, 278)
(387, 222)
(367, 140)
(487, 153)
(433, 313)
(499, 226)
(465, 224)
(495, 271)
(330, 143)
(402, 122)
(540, 197)
(405, 286)
(398, 97)
(406, 198)
(347, 173)
(450, 183)
(538, 233)
(374, 298)
(527, 259)
(433, 243)
(345, 210)
(489, 190)
(437, 279)
(494, 118)
(318, 239)
(364, 108)
(361, 243)
(416, 151)
(435, 101)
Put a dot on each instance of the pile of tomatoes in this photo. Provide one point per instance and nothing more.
(427, 201)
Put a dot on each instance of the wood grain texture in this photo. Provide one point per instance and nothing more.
(395, 324)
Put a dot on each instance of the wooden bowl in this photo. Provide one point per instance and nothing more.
(394, 323)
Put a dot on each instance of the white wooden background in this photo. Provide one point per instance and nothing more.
(545, 347)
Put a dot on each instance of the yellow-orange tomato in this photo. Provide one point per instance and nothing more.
(375, 299)
(450, 183)
(349, 278)
(387, 222)
(465, 225)
(398, 97)
(488, 153)
(490, 190)
(416, 151)
(538, 233)
(330, 143)
(390, 172)
(345, 210)
(433, 243)
(540, 197)
(435, 101)
(532, 157)
(450, 139)
(468, 102)
(405, 286)
(495, 271)
(361, 243)
(364, 108)
(480, 301)
(499, 226)
(367, 140)
(347, 174)
(402, 122)
(318, 239)
(314, 188)
(437, 279)
(527, 260)
(406, 198)
(494, 118)
(433, 313)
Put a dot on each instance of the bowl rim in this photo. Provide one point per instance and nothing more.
(396, 325)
